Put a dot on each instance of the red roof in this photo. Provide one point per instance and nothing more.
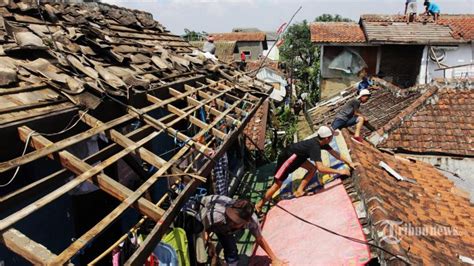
(461, 25)
(240, 36)
(441, 121)
(336, 32)
(432, 203)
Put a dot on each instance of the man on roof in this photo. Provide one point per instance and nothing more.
(349, 115)
(224, 217)
(209, 46)
(366, 82)
(296, 155)
(410, 10)
(432, 9)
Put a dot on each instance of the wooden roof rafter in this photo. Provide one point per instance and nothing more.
(88, 173)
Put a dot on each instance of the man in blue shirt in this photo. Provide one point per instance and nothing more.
(432, 9)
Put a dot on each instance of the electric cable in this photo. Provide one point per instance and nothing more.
(34, 133)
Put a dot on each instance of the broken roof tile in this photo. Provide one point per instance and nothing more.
(429, 204)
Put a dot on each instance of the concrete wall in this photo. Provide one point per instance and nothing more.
(255, 48)
(463, 167)
(455, 56)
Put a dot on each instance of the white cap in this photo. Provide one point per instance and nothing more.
(324, 132)
(363, 93)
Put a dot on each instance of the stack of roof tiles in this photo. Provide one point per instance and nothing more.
(398, 211)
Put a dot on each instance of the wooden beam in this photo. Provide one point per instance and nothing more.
(28, 249)
(145, 249)
(222, 103)
(209, 109)
(191, 118)
(110, 218)
(104, 182)
(123, 141)
(27, 158)
(15, 217)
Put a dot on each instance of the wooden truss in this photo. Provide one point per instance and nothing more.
(225, 101)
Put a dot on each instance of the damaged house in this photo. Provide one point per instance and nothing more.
(109, 123)
(403, 53)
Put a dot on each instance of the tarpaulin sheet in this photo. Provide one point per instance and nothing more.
(304, 244)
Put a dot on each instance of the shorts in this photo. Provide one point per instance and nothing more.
(412, 8)
(340, 123)
(286, 164)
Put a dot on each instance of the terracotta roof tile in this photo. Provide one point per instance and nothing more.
(336, 32)
(442, 120)
(385, 104)
(461, 25)
(430, 203)
(240, 36)
(256, 128)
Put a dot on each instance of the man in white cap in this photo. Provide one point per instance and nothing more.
(296, 155)
(349, 115)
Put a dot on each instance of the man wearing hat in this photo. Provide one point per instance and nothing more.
(209, 46)
(224, 217)
(296, 155)
(349, 115)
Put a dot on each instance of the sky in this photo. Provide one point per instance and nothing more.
(222, 15)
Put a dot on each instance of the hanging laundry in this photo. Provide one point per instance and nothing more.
(221, 175)
(166, 255)
(177, 239)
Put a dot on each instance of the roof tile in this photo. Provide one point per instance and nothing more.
(336, 32)
(429, 126)
(428, 203)
(240, 36)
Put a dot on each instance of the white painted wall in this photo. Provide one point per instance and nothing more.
(274, 53)
(455, 55)
(463, 167)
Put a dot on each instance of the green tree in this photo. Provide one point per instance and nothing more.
(191, 35)
(302, 57)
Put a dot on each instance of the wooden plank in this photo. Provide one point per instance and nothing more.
(15, 217)
(123, 141)
(28, 249)
(29, 157)
(31, 106)
(191, 118)
(212, 110)
(110, 218)
(36, 187)
(104, 182)
(23, 89)
(145, 249)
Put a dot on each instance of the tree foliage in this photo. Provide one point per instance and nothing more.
(302, 57)
(191, 35)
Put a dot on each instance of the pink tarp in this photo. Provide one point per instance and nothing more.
(304, 244)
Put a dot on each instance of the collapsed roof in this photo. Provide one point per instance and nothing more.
(111, 67)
